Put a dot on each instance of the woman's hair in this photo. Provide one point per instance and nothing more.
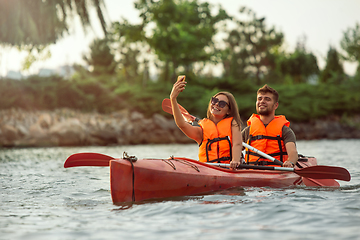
(234, 111)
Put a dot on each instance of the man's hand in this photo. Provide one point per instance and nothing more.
(289, 164)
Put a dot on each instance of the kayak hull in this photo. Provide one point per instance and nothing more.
(164, 178)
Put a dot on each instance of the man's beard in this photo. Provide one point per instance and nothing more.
(264, 112)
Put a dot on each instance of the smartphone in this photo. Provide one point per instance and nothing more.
(180, 76)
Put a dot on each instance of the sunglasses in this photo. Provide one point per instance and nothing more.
(220, 103)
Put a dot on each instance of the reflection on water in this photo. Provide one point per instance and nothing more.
(42, 200)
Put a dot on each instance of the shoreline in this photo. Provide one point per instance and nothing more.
(67, 127)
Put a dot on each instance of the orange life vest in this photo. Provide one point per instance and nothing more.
(266, 139)
(216, 144)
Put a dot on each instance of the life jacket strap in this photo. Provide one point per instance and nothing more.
(214, 140)
(260, 162)
(219, 160)
(279, 139)
(259, 137)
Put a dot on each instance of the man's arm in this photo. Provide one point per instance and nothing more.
(245, 134)
(290, 145)
(292, 154)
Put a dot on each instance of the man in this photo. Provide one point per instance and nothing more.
(269, 133)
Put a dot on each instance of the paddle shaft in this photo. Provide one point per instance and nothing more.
(315, 172)
(262, 154)
(245, 166)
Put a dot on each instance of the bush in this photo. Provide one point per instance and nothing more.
(299, 102)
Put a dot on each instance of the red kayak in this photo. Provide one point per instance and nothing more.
(133, 180)
(164, 178)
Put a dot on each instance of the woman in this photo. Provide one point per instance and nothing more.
(219, 135)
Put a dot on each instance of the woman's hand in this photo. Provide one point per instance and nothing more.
(192, 132)
(178, 87)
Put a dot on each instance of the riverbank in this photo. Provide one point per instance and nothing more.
(66, 127)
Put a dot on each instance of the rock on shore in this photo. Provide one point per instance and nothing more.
(65, 127)
(333, 127)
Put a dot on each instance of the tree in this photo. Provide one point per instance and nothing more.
(180, 32)
(233, 59)
(250, 48)
(300, 65)
(334, 71)
(129, 43)
(351, 44)
(38, 23)
(101, 58)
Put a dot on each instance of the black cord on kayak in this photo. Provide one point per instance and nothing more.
(131, 159)
(133, 181)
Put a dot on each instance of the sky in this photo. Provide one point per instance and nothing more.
(322, 22)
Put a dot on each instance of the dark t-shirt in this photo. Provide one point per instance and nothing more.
(288, 134)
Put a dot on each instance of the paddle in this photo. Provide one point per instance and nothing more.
(87, 159)
(316, 172)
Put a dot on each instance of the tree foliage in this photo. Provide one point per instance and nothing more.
(129, 44)
(37, 23)
(334, 71)
(101, 58)
(300, 64)
(251, 45)
(179, 32)
(351, 44)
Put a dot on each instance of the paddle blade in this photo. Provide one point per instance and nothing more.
(309, 182)
(87, 159)
(324, 172)
(166, 106)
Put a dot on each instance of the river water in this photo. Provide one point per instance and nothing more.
(42, 200)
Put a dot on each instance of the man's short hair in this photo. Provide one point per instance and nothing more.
(267, 89)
